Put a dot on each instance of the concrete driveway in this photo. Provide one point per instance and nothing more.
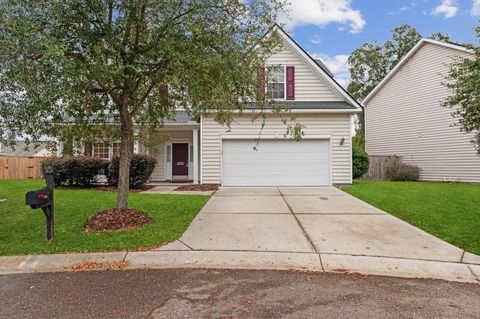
(319, 220)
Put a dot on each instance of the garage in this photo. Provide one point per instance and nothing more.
(276, 162)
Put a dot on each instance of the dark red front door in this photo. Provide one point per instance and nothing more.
(180, 159)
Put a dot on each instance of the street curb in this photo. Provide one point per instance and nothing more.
(312, 262)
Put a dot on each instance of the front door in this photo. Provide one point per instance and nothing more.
(180, 159)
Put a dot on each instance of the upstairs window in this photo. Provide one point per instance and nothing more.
(276, 82)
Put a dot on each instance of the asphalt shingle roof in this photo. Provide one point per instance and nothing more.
(21, 149)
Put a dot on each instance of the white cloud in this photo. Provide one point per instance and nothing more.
(448, 8)
(475, 11)
(338, 64)
(316, 39)
(323, 12)
(412, 5)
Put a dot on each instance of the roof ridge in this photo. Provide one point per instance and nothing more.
(407, 57)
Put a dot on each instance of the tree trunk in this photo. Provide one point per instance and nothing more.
(126, 129)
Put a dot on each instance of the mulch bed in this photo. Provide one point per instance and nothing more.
(106, 188)
(198, 187)
(115, 220)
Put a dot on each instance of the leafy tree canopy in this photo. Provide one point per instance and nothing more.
(74, 68)
(464, 82)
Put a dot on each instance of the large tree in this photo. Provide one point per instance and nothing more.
(464, 82)
(85, 68)
(371, 62)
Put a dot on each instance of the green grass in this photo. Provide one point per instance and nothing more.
(448, 211)
(22, 229)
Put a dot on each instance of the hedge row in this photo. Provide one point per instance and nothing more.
(82, 171)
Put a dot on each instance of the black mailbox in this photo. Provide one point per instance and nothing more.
(40, 198)
(43, 198)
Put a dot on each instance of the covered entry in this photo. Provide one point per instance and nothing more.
(276, 162)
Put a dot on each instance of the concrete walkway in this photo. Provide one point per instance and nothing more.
(312, 229)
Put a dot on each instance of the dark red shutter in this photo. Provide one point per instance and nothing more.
(290, 83)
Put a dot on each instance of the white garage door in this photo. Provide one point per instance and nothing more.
(276, 163)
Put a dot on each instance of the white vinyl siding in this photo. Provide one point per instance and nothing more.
(405, 118)
(309, 86)
(337, 126)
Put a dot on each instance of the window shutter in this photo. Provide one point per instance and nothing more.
(290, 83)
(261, 83)
(88, 149)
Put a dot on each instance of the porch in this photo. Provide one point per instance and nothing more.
(176, 149)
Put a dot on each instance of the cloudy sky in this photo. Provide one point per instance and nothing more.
(332, 29)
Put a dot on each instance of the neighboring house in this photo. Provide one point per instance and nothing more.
(206, 152)
(21, 149)
(404, 116)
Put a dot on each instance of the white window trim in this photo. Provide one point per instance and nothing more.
(284, 80)
(110, 150)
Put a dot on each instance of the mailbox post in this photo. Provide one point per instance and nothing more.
(43, 198)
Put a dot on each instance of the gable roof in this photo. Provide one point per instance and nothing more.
(23, 149)
(323, 66)
(318, 68)
(407, 57)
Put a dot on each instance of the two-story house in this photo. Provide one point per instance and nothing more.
(206, 152)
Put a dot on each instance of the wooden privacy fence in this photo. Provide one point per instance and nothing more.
(20, 167)
(380, 166)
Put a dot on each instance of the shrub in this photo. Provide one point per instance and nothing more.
(59, 176)
(141, 167)
(82, 171)
(404, 172)
(78, 171)
(360, 161)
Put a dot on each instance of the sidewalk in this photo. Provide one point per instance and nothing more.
(181, 258)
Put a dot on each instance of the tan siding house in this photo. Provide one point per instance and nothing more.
(202, 151)
(404, 116)
(244, 154)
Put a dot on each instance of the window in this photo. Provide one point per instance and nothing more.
(276, 82)
(169, 153)
(105, 150)
(116, 149)
(101, 150)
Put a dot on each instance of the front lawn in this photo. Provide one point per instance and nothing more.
(448, 211)
(22, 230)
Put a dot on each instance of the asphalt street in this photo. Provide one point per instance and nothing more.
(177, 293)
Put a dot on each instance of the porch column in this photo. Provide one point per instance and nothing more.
(59, 148)
(136, 143)
(195, 156)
